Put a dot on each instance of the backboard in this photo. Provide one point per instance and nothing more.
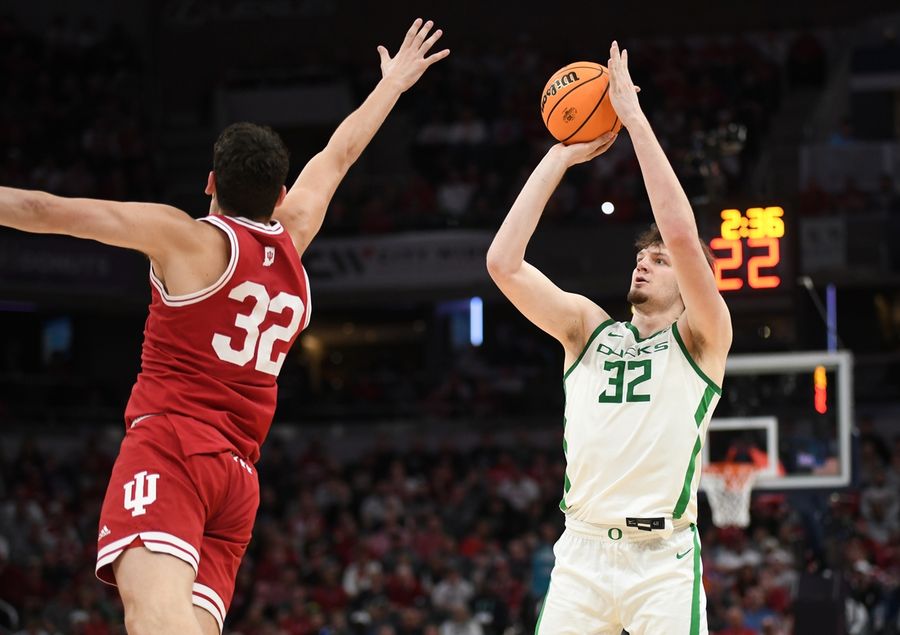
(793, 407)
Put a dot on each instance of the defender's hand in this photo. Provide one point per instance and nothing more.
(407, 66)
(622, 90)
(580, 152)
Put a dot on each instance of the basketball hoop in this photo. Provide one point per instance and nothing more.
(728, 486)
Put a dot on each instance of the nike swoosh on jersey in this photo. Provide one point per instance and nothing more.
(682, 555)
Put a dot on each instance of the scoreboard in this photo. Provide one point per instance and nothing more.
(748, 249)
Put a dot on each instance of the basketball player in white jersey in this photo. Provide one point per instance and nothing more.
(639, 396)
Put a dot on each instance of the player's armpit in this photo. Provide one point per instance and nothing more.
(568, 317)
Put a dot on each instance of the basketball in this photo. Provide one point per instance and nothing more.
(575, 104)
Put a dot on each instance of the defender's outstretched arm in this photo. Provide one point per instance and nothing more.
(153, 229)
(303, 209)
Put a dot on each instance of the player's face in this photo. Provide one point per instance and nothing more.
(653, 280)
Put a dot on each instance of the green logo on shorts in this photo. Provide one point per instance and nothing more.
(682, 555)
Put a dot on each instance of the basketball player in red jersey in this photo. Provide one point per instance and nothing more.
(229, 296)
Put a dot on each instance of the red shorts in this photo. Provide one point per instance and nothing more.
(178, 488)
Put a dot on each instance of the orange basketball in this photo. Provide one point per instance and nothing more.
(575, 104)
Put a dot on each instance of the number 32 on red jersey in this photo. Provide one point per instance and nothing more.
(251, 322)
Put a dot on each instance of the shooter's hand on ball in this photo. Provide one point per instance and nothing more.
(575, 153)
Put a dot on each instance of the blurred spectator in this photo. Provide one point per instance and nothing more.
(452, 591)
(542, 561)
(880, 509)
(460, 622)
(736, 626)
(755, 610)
(358, 575)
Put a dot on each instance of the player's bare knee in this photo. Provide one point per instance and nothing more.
(208, 623)
(157, 618)
(156, 593)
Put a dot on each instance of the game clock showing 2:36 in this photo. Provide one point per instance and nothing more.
(748, 250)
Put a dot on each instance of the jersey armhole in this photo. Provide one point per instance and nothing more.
(691, 361)
(308, 298)
(198, 296)
(593, 336)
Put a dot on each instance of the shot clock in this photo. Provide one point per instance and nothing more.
(748, 250)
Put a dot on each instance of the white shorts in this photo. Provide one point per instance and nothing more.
(621, 578)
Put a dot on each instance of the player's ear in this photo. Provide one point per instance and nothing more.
(211, 184)
(281, 196)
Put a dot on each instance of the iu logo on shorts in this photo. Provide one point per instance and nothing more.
(140, 492)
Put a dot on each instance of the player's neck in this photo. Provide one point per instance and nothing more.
(649, 322)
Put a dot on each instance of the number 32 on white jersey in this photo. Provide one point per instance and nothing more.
(250, 323)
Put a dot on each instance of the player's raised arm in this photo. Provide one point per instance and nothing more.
(153, 229)
(303, 209)
(706, 314)
(565, 316)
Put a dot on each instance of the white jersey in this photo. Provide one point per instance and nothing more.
(636, 416)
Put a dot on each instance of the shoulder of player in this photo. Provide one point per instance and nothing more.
(588, 320)
(200, 241)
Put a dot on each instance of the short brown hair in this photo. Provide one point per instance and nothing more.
(651, 237)
(250, 164)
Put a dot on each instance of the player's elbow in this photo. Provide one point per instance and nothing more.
(341, 153)
(501, 266)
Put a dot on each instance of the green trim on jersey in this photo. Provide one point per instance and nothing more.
(699, 415)
(708, 395)
(685, 496)
(637, 336)
(684, 350)
(596, 332)
(567, 485)
(695, 592)
(537, 626)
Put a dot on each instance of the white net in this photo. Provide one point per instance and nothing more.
(728, 487)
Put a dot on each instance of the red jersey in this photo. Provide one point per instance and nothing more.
(214, 355)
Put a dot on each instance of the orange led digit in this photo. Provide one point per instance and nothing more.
(755, 263)
(728, 263)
